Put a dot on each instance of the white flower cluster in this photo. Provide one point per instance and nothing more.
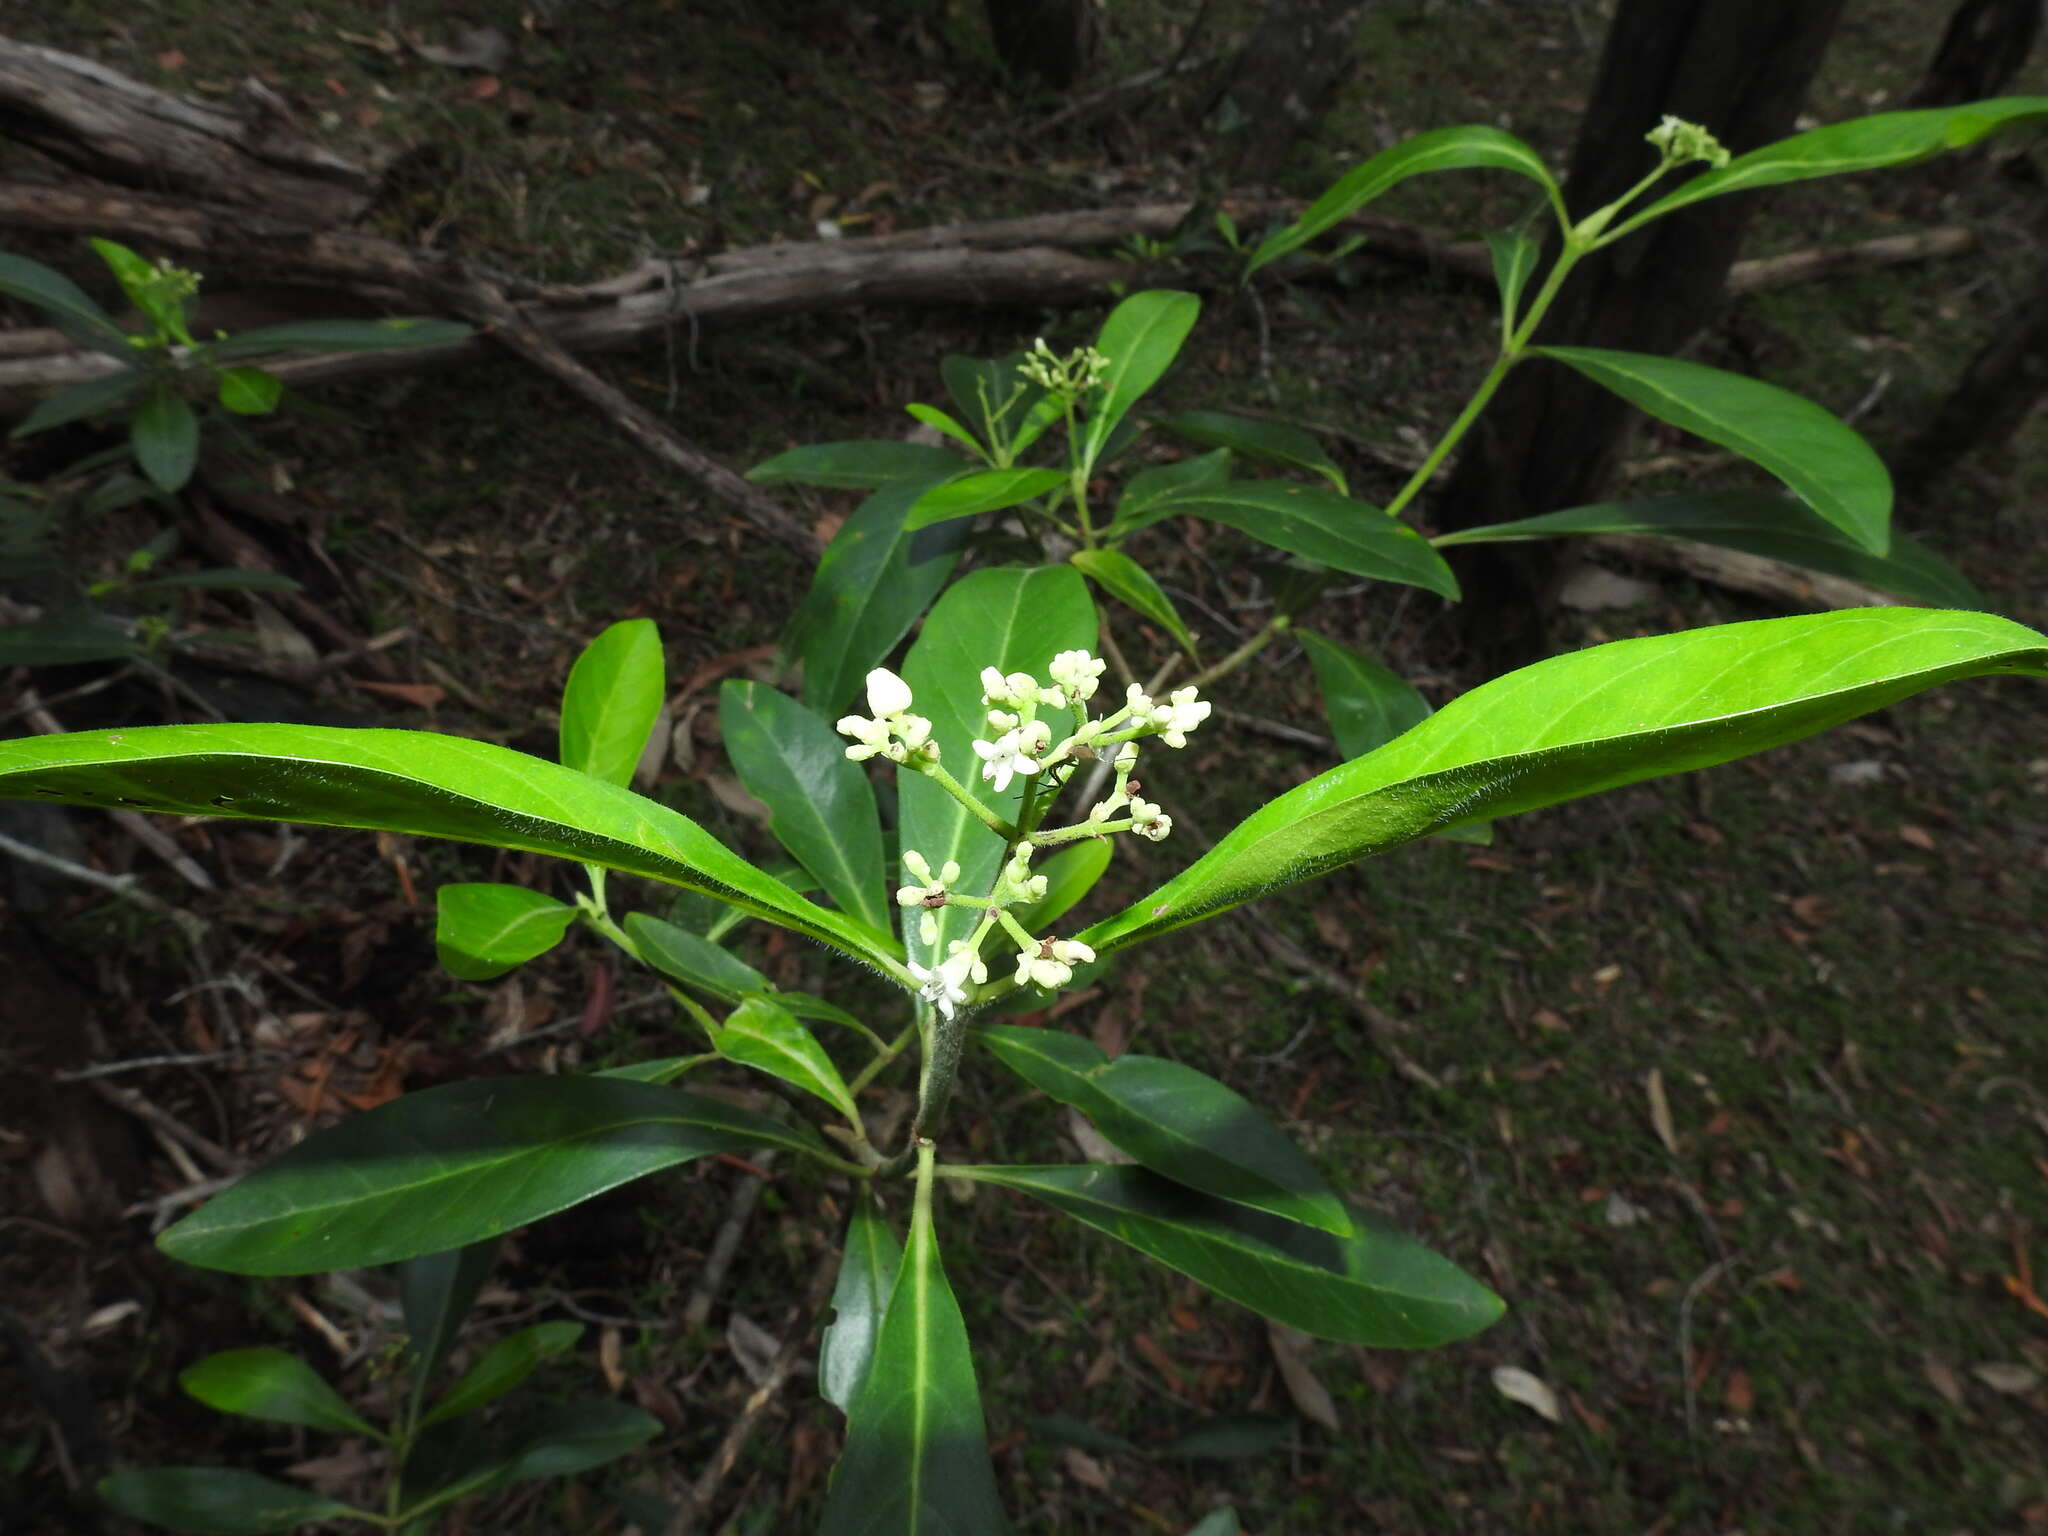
(1172, 720)
(1074, 375)
(1050, 963)
(945, 985)
(892, 732)
(1679, 141)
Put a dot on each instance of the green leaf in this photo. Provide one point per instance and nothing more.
(21, 278)
(916, 1460)
(873, 581)
(662, 1069)
(435, 1292)
(1068, 1430)
(1154, 494)
(270, 1384)
(1375, 1287)
(250, 391)
(212, 1501)
(342, 336)
(939, 421)
(502, 1367)
(612, 700)
(820, 806)
(1176, 1121)
(79, 401)
(1070, 875)
(413, 782)
(1234, 1437)
(218, 581)
(1131, 584)
(456, 1165)
(1272, 441)
(860, 466)
(692, 959)
(1514, 262)
(1012, 618)
(1329, 529)
(761, 1035)
(1475, 147)
(1831, 468)
(62, 641)
(987, 490)
(485, 929)
(563, 1439)
(1576, 725)
(1005, 408)
(1861, 144)
(1222, 1523)
(165, 436)
(868, 1262)
(1368, 706)
(1757, 523)
(1141, 338)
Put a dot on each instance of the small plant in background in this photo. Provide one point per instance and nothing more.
(158, 372)
(437, 1449)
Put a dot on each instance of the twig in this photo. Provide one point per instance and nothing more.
(1379, 1027)
(1706, 1277)
(726, 1245)
(141, 1063)
(1278, 730)
(163, 1120)
(127, 887)
(576, 1309)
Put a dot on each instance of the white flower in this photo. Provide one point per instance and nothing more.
(1001, 720)
(929, 891)
(1181, 716)
(872, 736)
(1105, 810)
(1147, 820)
(1019, 688)
(1005, 757)
(945, 984)
(888, 694)
(1077, 672)
(1138, 702)
(1051, 962)
(928, 928)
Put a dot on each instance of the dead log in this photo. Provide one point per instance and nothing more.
(1793, 585)
(93, 119)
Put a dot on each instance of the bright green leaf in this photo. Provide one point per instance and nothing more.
(939, 421)
(1515, 256)
(869, 1259)
(1579, 724)
(1329, 529)
(270, 1384)
(692, 959)
(612, 700)
(1132, 585)
(1368, 705)
(1154, 494)
(165, 436)
(1141, 338)
(860, 466)
(1833, 470)
(485, 929)
(250, 391)
(213, 1501)
(502, 1367)
(761, 1035)
(988, 490)
(1273, 441)
(456, 1165)
(1176, 1121)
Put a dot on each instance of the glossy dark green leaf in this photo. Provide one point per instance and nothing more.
(343, 336)
(820, 806)
(1823, 460)
(249, 391)
(1070, 875)
(998, 402)
(272, 1385)
(1474, 147)
(1175, 1121)
(1368, 705)
(51, 290)
(1332, 530)
(1235, 1437)
(1141, 338)
(1579, 724)
(502, 1367)
(413, 782)
(460, 1459)
(435, 1293)
(1273, 441)
(1154, 494)
(860, 466)
(768, 1038)
(1375, 1287)
(987, 490)
(1515, 256)
(165, 436)
(874, 580)
(1132, 585)
(692, 959)
(1757, 523)
(939, 421)
(485, 929)
(456, 1165)
(916, 1460)
(612, 700)
(1012, 618)
(80, 401)
(1861, 144)
(868, 1262)
(213, 1501)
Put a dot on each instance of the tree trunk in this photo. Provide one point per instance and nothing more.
(1986, 43)
(1052, 39)
(1741, 69)
(1275, 91)
(2004, 381)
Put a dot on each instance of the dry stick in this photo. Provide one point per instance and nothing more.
(1706, 1277)
(726, 1245)
(163, 1120)
(704, 1492)
(127, 887)
(1379, 1027)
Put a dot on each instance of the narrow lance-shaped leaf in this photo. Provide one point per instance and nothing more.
(502, 1367)
(691, 958)
(456, 1165)
(1010, 411)
(821, 807)
(1830, 466)
(1576, 725)
(392, 335)
(1759, 523)
(761, 1035)
(1515, 256)
(1132, 585)
(860, 466)
(1176, 1121)
(1375, 1287)
(1154, 494)
(435, 1293)
(412, 782)
(916, 1460)
(49, 289)
(1368, 705)
(1331, 530)
(215, 1501)
(81, 400)
(1474, 147)
(869, 1259)
(270, 1384)
(165, 436)
(484, 929)
(1141, 338)
(612, 700)
(939, 421)
(989, 490)
(1273, 441)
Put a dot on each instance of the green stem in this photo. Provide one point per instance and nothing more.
(882, 1059)
(1265, 636)
(937, 774)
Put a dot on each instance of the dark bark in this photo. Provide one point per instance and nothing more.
(1986, 43)
(2004, 382)
(1050, 39)
(1741, 69)
(1275, 91)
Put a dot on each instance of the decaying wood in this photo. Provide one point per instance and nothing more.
(93, 119)
(1885, 251)
(1793, 585)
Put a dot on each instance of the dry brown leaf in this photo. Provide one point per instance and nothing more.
(608, 1358)
(752, 1345)
(2006, 1376)
(1311, 1397)
(1943, 1380)
(419, 695)
(1085, 1469)
(1518, 1386)
(1094, 1147)
(1739, 1395)
(1660, 1111)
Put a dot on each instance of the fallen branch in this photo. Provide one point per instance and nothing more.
(1793, 585)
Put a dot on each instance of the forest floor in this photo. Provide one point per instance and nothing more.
(1741, 1095)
